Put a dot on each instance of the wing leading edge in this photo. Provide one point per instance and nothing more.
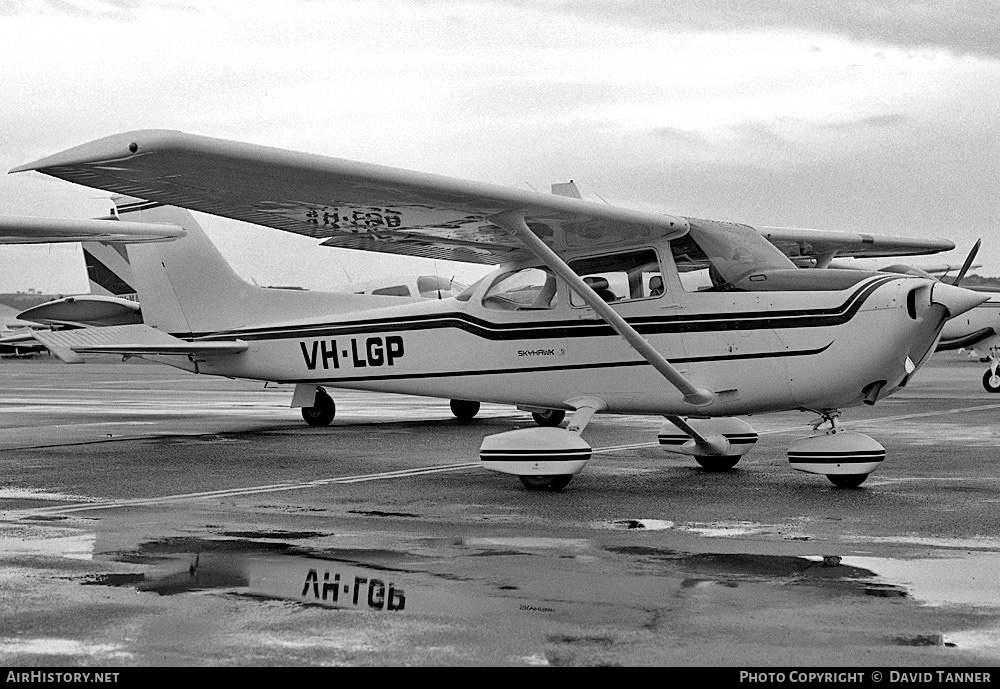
(25, 230)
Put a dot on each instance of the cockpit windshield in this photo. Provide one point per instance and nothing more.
(723, 254)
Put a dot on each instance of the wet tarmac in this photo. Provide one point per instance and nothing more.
(150, 517)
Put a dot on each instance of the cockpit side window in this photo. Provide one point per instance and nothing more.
(435, 287)
(522, 289)
(620, 277)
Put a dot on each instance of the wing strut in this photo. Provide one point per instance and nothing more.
(514, 223)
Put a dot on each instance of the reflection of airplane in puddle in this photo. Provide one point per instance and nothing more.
(765, 336)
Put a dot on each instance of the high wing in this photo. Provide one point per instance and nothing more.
(24, 230)
(347, 204)
(819, 247)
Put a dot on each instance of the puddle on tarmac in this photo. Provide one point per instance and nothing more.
(352, 579)
(61, 647)
(732, 569)
(646, 524)
(392, 582)
(68, 543)
(968, 579)
(720, 529)
(15, 493)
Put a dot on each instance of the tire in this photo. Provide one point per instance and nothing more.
(464, 410)
(847, 480)
(549, 417)
(986, 382)
(323, 411)
(718, 462)
(551, 483)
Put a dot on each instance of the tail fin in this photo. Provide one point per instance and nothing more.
(109, 271)
(187, 288)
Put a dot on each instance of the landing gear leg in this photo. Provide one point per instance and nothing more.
(546, 458)
(716, 444)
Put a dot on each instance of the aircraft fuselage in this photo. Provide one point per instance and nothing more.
(757, 350)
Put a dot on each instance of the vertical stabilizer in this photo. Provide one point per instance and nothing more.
(108, 270)
(187, 288)
(566, 189)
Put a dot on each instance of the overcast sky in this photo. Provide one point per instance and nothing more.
(880, 115)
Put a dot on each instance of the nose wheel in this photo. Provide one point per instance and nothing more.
(845, 458)
(550, 483)
(991, 381)
(549, 417)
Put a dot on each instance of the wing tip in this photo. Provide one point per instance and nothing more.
(108, 148)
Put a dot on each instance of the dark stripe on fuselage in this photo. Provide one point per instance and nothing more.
(646, 325)
(573, 367)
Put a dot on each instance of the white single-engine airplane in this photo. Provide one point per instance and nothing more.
(569, 321)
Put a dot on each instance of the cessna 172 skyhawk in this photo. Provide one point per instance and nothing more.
(569, 320)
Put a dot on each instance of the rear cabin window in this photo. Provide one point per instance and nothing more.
(620, 277)
(394, 291)
(520, 290)
(434, 287)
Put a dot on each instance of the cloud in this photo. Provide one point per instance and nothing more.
(874, 121)
(785, 112)
(962, 27)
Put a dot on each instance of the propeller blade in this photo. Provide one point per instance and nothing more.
(968, 263)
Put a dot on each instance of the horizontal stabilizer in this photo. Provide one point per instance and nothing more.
(28, 335)
(128, 340)
(25, 230)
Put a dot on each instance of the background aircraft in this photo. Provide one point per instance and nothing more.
(16, 339)
(765, 337)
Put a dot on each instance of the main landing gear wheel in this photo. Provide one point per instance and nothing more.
(322, 411)
(549, 417)
(847, 480)
(991, 381)
(717, 462)
(464, 409)
(549, 483)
